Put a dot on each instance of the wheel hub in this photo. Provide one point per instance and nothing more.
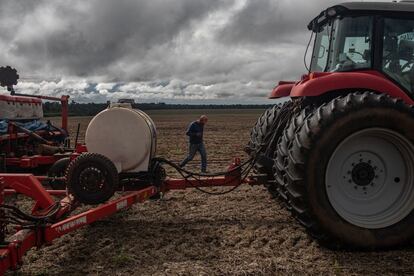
(91, 179)
(363, 174)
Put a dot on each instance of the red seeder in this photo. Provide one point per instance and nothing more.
(14, 134)
(50, 219)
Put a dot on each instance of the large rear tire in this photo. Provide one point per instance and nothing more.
(350, 172)
(263, 140)
(283, 146)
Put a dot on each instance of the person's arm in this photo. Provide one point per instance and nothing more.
(192, 130)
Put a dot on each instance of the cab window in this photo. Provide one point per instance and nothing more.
(398, 51)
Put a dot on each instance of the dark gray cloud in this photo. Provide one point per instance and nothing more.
(86, 37)
(156, 50)
(270, 21)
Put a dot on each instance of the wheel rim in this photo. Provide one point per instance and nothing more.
(369, 178)
(92, 179)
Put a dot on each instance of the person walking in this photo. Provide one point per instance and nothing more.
(195, 132)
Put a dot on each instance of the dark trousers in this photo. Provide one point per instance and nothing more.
(192, 152)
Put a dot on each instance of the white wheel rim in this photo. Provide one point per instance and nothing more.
(369, 178)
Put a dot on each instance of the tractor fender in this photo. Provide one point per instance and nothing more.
(282, 89)
(317, 84)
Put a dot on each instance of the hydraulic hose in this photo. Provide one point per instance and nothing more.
(185, 174)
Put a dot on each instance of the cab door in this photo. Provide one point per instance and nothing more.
(398, 51)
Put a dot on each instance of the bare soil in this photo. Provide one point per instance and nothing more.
(189, 233)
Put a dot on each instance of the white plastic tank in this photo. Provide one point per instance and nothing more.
(126, 136)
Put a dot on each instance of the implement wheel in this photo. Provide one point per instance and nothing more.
(92, 178)
(350, 172)
(58, 169)
(263, 140)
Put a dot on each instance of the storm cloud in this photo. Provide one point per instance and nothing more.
(224, 51)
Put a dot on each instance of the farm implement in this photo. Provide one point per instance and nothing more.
(338, 152)
(50, 219)
(27, 144)
(91, 174)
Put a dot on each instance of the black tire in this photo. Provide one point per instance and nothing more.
(58, 169)
(263, 139)
(281, 153)
(257, 133)
(92, 178)
(311, 150)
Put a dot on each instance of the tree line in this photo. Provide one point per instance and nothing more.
(91, 109)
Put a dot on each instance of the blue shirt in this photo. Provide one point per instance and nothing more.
(192, 131)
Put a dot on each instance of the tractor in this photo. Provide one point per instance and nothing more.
(339, 150)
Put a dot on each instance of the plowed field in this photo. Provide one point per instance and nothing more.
(189, 233)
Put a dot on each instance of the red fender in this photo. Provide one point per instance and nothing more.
(282, 89)
(317, 84)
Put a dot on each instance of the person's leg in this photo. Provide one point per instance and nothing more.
(203, 153)
(192, 151)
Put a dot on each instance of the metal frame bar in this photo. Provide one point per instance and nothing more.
(12, 252)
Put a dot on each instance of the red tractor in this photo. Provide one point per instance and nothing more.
(340, 150)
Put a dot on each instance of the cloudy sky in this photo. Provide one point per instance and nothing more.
(186, 51)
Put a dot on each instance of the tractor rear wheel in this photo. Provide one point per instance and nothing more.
(350, 172)
(281, 153)
(263, 139)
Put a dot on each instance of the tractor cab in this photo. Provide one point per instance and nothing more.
(374, 39)
(343, 44)
(366, 36)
